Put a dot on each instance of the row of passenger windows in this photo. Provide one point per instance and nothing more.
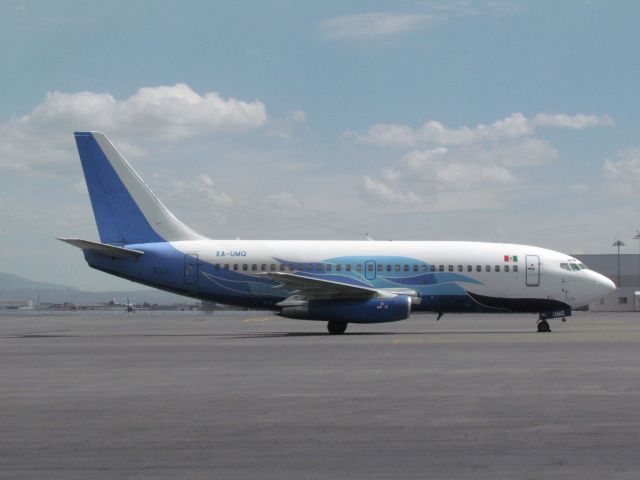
(322, 267)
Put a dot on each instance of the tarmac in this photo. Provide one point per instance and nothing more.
(251, 396)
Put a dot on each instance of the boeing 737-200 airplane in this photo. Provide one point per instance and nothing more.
(339, 282)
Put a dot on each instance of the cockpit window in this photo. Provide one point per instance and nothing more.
(565, 266)
(574, 267)
(582, 266)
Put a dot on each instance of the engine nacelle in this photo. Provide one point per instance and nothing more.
(375, 310)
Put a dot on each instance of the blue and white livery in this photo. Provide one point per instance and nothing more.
(339, 282)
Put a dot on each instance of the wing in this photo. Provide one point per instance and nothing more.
(319, 288)
(307, 288)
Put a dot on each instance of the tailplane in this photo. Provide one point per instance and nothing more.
(125, 208)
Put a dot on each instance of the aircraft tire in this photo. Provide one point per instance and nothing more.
(543, 326)
(336, 327)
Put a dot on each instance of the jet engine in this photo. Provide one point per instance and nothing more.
(374, 310)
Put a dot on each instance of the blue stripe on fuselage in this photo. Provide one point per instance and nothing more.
(162, 266)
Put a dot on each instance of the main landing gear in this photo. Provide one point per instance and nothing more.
(543, 325)
(336, 327)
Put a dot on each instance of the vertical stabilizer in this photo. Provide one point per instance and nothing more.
(126, 209)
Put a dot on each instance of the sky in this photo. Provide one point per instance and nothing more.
(499, 121)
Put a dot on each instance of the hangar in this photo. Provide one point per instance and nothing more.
(626, 298)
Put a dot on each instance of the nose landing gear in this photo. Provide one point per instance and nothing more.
(543, 325)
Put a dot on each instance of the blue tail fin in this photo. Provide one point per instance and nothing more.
(125, 208)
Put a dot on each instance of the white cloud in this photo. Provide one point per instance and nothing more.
(384, 24)
(204, 188)
(577, 122)
(367, 25)
(438, 170)
(283, 201)
(298, 116)
(516, 125)
(623, 174)
(524, 152)
(285, 127)
(378, 192)
(42, 139)
(469, 167)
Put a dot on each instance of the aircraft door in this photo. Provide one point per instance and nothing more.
(533, 270)
(191, 269)
(370, 270)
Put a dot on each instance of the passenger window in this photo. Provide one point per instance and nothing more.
(328, 267)
(348, 267)
(388, 268)
(226, 266)
(397, 268)
(432, 268)
(273, 267)
(358, 268)
(459, 268)
(282, 267)
(369, 267)
(469, 268)
(235, 266)
(441, 268)
(506, 268)
(338, 268)
(254, 267)
(478, 268)
(263, 267)
(245, 267)
(487, 268)
(515, 268)
(424, 267)
(380, 267)
(497, 268)
(415, 268)
(217, 266)
(451, 268)
(406, 268)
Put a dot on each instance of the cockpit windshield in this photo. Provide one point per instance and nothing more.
(573, 266)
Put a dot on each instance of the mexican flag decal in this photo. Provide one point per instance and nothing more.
(513, 258)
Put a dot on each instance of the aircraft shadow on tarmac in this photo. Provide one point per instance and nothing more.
(355, 334)
(249, 335)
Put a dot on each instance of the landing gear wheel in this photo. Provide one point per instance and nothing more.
(336, 327)
(543, 326)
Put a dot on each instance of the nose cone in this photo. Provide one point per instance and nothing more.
(602, 286)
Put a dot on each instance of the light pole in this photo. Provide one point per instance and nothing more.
(618, 243)
(637, 237)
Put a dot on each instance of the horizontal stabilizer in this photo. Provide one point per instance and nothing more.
(103, 249)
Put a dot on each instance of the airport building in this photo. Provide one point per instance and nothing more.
(626, 298)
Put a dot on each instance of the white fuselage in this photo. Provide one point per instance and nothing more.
(493, 270)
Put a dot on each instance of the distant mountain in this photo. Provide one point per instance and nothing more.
(13, 287)
(14, 282)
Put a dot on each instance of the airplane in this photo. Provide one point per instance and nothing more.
(339, 282)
